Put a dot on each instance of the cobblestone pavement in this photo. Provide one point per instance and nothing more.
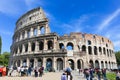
(47, 76)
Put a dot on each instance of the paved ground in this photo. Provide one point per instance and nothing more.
(47, 76)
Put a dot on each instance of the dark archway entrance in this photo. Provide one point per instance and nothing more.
(59, 64)
(32, 63)
(39, 63)
(91, 64)
(49, 64)
(71, 63)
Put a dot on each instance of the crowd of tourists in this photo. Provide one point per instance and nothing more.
(26, 71)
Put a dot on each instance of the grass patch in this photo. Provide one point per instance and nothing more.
(111, 76)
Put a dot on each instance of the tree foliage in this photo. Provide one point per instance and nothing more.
(4, 58)
(0, 44)
(117, 54)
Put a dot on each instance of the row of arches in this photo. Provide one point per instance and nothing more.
(59, 63)
(29, 33)
(101, 64)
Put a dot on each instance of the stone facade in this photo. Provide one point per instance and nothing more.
(35, 45)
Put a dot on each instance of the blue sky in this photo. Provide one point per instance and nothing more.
(100, 17)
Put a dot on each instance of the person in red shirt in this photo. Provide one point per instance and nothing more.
(1, 70)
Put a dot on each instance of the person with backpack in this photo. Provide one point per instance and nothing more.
(64, 76)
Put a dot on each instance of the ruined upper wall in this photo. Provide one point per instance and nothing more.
(31, 17)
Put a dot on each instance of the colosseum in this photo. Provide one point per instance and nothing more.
(35, 45)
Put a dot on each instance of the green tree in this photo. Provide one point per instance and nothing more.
(0, 44)
(4, 58)
(117, 54)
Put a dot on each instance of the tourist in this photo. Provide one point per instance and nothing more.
(118, 75)
(69, 76)
(36, 72)
(29, 71)
(40, 72)
(1, 70)
(104, 74)
(91, 73)
(98, 72)
(87, 74)
(64, 76)
(22, 71)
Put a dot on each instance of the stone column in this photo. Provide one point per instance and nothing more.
(100, 66)
(23, 48)
(35, 62)
(28, 62)
(36, 46)
(18, 51)
(38, 30)
(75, 65)
(21, 62)
(45, 44)
(104, 64)
(25, 34)
(31, 32)
(54, 44)
(47, 29)
(54, 63)
(20, 36)
(44, 62)
(29, 47)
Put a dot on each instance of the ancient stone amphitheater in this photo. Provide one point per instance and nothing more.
(35, 45)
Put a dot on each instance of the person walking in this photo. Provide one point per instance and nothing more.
(64, 76)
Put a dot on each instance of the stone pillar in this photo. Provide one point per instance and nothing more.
(31, 32)
(35, 62)
(45, 44)
(54, 43)
(28, 62)
(38, 30)
(54, 63)
(18, 51)
(100, 66)
(20, 36)
(25, 34)
(104, 64)
(21, 62)
(47, 29)
(23, 48)
(75, 65)
(36, 46)
(29, 47)
(44, 62)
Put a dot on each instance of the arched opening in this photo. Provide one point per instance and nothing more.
(32, 63)
(104, 51)
(107, 53)
(89, 42)
(20, 48)
(33, 46)
(102, 65)
(49, 64)
(97, 64)
(24, 62)
(91, 64)
(106, 64)
(61, 46)
(35, 32)
(89, 50)
(26, 47)
(79, 64)
(95, 50)
(42, 30)
(18, 63)
(71, 63)
(70, 46)
(39, 63)
(28, 34)
(41, 45)
(100, 50)
(50, 45)
(84, 48)
(59, 64)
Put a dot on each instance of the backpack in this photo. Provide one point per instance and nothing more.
(63, 77)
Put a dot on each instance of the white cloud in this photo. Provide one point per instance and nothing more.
(10, 7)
(5, 32)
(107, 21)
(75, 25)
